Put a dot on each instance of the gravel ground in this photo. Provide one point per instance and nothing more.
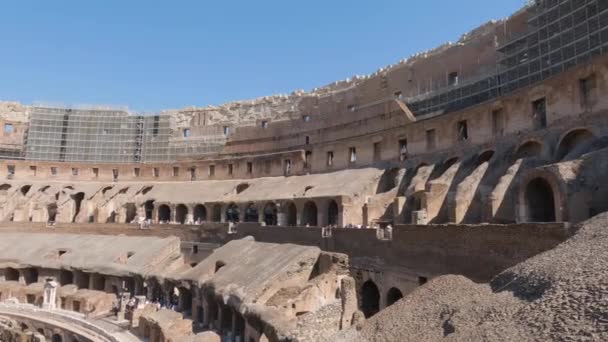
(559, 295)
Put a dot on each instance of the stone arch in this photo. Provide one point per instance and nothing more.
(25, 189)
(216, 213)
(270, 214)
(393, 295)
(52, 212)
(539, 201)
(251, 213)
(200, 213)
(181, 213)
(241, 187)
(485, 156)
(540, 198)
(77, 198)
(333, 213)
(232, 213)
(130, 212)
(149, 209)
(529, 148)
(164, 213)
(30, 275)
(66, 277)
(370, 299)
(11, 274)
(309, 214)
(388, 181)
(292, 214)
(571, 140)
(441, 168)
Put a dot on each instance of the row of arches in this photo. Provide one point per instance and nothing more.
(370, 298)
(232, 212)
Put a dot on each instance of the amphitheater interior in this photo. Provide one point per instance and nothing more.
(455, 195)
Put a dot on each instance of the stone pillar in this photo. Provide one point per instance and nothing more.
(50, 294)
(173, 215)
(223, 214)
(348, 297)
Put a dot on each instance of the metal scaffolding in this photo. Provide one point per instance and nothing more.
(108, 136)
(561, 34)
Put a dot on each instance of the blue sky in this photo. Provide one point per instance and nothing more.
(154, 55)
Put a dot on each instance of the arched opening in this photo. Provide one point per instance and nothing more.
(332, 213)
(164, 213)
(309, 214)
(66, 277)
(185, 300)
(370, 299)
(251, 213)
(200, 213)
(149, 209)
(11, 274)
(393, 295)
(52, 212)
(111, 217)
(241, 187)
(388, 181)
(232, 213)
(56, 338)
(540, 202)
(25, 189)
(529, 149)
(485, 157)
(216, 213)
(181, 213)
(131, 212)
(30, 275)
(78, 197)
(292, 214)
(440, 169)
(571, 141)
(270, 214)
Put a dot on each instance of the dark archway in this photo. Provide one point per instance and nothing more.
(571, 141)
(370, 299)
(389, 180)
(111, 218)
(200, 213)
(529, 149)
(56, 338)
(66, 277)
(309, 214)
(232, 213)
(181, 213)
(52, 211)
(485, 157)
(332, 213)
(442, 168)
(30, 275)
(78, 197)
(11, 274)
(164, 213)
(131, 212)
(149, 209)
(216, 213)
(270, 214)
(393, 295)
(540, 201)
(251, 213)
(292, 214)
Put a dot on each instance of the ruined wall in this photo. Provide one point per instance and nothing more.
(478, 252)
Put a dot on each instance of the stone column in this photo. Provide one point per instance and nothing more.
(50, 294)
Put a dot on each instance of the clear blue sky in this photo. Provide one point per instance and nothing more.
(153, 55)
